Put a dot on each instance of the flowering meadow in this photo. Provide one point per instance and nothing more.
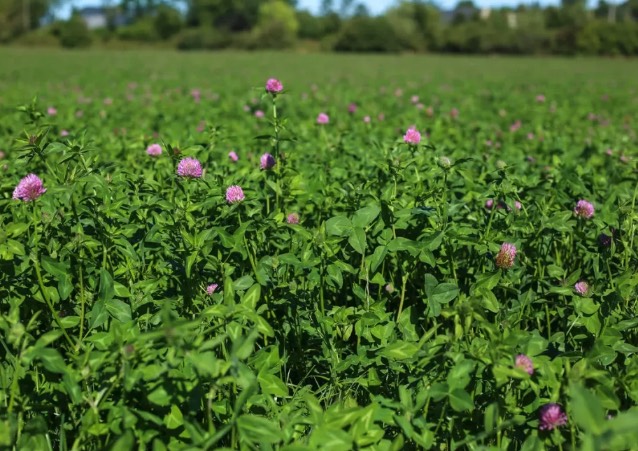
(290, 252)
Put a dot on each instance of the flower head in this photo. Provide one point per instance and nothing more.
(29, 188)
(51, 111)
(540, 98)
(366, 119)
(604, 240)
(505, 257)
(233, 155)
(551, 416)
(234, 194)
(274, 86)
(323, 119)
(210, 289)
(293, 218)
(267, 161)
(525, 363)
(584, 209)
(445, 162)
(64, 133)
(352, 108)
(582, 288)
(154, 150)
(489, 203)
(412, 136)
(259, 114)
(189, 167)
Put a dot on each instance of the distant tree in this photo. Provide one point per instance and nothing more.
(277, 25)
(21, 16)
(368, 34)
(346, 6)
(310, 26)
(74, 33)
(168, 21)
(327, 6)
(361, 10)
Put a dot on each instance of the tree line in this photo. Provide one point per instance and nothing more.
(346, 26)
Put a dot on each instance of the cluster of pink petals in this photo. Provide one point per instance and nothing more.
(51, 111)
(233, 155)
(274, 86)
(189, 167)
(505, 257)
(412, 136)
(267, 161)
(234, 194)
(525, 363)
(29, 188)
(323, 119)
(516, 125)
(292, 218)
(582, 288)
(210, 289)
(551, 416)
(584, 209)
(154, 150)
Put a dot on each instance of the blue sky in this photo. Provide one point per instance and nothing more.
(374, 6)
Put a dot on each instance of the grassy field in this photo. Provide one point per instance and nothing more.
(395, 252)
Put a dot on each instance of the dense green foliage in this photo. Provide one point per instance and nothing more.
(573, 28)
(380, 320)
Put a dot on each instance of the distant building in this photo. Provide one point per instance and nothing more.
(98, 17)
(94, 17)
(512, 20)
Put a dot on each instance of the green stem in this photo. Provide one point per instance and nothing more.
(45, 295)
(404, 283)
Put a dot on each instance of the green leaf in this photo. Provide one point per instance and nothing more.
(119, 310)
(251, 297)
(125, 442)
(272, 385)
(490, 419)
(330, 438)
(399, 350)
(243, 283)
(57, 269)
(51, 359)
(376, 258)
(445, 292)
(338, 226)
(357, 240)
(460, 400)
(65, 287)
(364, 217)
(106, 291)
(229, 291)
(258, 430)
(586, 409)
(174, 419)
(243, 346)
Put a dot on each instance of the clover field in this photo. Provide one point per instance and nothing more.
(414, 252)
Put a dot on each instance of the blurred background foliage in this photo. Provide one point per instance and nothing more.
(571, 28)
